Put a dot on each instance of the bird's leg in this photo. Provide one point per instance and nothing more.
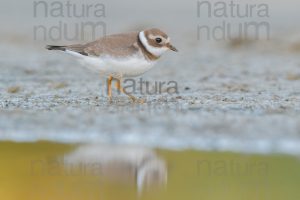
(121, 89)
(109, 93)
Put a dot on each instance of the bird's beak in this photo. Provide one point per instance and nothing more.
(171, 47)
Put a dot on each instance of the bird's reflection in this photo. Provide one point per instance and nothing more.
(137, 165)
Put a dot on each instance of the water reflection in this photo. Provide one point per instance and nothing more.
(123, 164)
(34, 171)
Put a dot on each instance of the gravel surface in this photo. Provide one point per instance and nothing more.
(237, 98)
(242, 95)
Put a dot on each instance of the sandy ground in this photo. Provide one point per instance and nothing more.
(243, 98)
(238, 96)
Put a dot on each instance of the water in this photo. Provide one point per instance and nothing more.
(52, 171)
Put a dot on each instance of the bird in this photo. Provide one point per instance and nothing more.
(122, 163)
(121, 55)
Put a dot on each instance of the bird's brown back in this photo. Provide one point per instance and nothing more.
(119, 45)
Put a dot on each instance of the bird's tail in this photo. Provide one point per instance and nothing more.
(52, 47)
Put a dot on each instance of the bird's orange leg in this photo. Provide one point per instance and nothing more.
(109, 93)
(121, 89)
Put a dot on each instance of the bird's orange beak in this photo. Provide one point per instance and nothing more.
(171, 47)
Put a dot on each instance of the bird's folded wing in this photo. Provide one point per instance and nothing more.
(120, 45)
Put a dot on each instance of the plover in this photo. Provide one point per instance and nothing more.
(121, 163)
(121, 55)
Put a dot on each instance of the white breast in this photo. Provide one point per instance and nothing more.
(131, 66)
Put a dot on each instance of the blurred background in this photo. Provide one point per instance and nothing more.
(232, 131)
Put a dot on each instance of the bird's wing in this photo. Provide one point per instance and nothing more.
(114, 45)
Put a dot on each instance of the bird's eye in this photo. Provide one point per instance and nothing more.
(158, 40)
